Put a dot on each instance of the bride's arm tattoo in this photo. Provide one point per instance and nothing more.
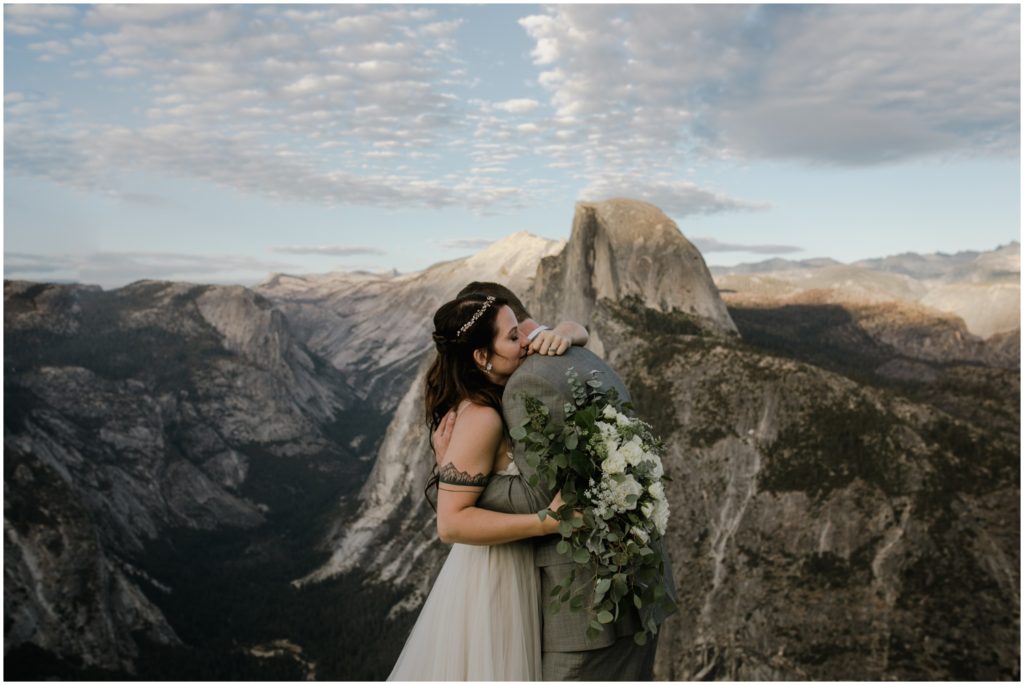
(452, 476)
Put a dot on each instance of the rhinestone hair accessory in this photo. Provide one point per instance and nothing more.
(480, 312)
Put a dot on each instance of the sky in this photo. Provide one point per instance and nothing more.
(223, 143)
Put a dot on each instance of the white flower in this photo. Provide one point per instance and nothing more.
(640, 534)
(609, 412)
(621, 491)
(661, 516)
(622, 420)
(647, 509)
(633, 451)
(615, 463)
(657, 491)
(609, 435)
(656, 471)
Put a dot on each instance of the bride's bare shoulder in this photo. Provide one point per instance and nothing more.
(477, 416)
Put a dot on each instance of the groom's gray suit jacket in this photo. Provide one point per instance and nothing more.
(545, 378)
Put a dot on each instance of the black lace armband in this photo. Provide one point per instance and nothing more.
(452, 476)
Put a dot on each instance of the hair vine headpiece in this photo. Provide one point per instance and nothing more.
(480, 312)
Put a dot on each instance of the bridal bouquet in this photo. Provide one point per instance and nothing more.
(608, 466)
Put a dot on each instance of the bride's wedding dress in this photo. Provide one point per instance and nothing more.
(481, 620)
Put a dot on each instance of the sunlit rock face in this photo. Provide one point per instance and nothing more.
(377, 326)
(980, 288)
(393, 535)
(626, 249)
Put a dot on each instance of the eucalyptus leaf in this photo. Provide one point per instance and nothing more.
(581, 556)
(640, 638)
(605, 617)
(562, 547)
(517, 433)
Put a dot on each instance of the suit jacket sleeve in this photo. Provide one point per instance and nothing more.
(514, 494)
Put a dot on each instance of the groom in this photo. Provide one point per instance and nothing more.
(567, 652)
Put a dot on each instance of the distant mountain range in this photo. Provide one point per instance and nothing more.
(982, 288)
(219, 483)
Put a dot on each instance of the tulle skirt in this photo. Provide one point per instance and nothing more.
(481, 620)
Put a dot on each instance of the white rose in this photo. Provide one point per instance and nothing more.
(622, 420)
(614, 463)
(628, 487)
(640, 534)
(647, 509)
(657, 491)
(633, 451)
(609, 412)
(656, 471)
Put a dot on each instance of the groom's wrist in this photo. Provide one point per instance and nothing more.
(535, 332)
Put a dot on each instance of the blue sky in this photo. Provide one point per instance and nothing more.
(222, 143)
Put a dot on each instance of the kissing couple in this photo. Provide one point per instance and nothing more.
(487, 615)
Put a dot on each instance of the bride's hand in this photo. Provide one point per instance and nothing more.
(550, 343)
(442, 436)
(557, 503)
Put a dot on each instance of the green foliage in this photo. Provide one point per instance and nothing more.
(831, 445)
(110, 349)
(599, 539)
(635, 314)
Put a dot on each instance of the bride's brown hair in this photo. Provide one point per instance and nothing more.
(461, 326)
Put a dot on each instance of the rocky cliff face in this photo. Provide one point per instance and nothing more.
(377, 327)
(822, 528)
(845, 488)
(130, 413)
(626, 249)
(816, 518)
(394, 520)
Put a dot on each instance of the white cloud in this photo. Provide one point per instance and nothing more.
(839, 84)
(705, 244)
(675, 198)
(143, 13)
(332, 250)
(467, 243)
(92, 158)
(223, 86)
(517, 106)
(50, 47)
(29, 20)
(115, 269)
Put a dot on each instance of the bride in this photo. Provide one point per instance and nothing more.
(481, 620)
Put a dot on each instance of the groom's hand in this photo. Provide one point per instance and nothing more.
(442, 436)
(550, 343)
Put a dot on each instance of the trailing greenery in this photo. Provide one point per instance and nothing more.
(607, 465)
